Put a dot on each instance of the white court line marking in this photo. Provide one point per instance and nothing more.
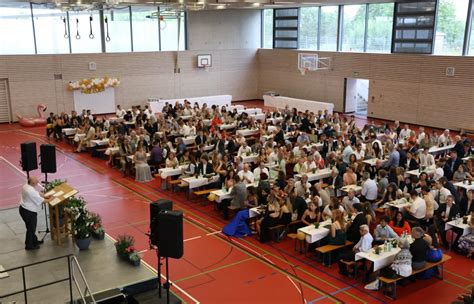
(193, 238)
(216, 232)
(13, 166)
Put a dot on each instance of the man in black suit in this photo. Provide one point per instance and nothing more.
(280, 136)
(452, 165)
(459, 146)
(467, 203)
(447, 213)
(411, 163)
(448, 185)
(352, 232)
(201, 138)
(205, 168)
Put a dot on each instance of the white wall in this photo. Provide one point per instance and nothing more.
(224, 29)
(351, 95)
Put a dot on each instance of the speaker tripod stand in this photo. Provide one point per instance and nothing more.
(166, 285)
(47, 231)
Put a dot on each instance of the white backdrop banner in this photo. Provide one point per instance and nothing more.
(98, 103)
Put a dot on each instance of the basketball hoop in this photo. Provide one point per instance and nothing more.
(206, 67)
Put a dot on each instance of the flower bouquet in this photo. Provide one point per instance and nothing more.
(97, 230)
(81, 221)
(126, 250)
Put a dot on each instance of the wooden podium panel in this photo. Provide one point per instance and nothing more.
(59, 196)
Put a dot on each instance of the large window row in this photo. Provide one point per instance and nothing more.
(42, 30)
(369, 28)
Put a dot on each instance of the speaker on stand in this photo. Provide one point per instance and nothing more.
(29, 159)
(48, 165)
(166, 232)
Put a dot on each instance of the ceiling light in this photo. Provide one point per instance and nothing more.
(256, 4)
(220, 6)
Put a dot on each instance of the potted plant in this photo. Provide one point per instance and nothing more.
(378, 249)
(97, 230)
(80, 221)
(126, 250)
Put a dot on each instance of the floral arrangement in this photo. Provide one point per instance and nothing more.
(53, 184)
(82, 222)
(93, 85)
(97, 229)
(126, 250)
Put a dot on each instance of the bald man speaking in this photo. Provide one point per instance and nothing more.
(30, 205)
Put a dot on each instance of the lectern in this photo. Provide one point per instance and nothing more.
(60, 195)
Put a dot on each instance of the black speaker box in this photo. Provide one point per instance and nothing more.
(170, 236)
(29, 159)
(155, 208)
(48, 158)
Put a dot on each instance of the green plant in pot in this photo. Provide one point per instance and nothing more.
(97, 230)
(81, 222)
(126, 250)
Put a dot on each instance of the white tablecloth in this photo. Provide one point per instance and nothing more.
(250, 111)
(429, 171)
(381, 260)
(253, 212)
(313, 235)
(190, 140)
(252, 158)
(194, 182)
(323, 173)
(464, 227)
(225, 194)
(464, 185)
(399, 203)
(301, 104)
(248, 132)
(226, 127)
(259, 116)
(167, 172)
(115, 119)
(370, 162)
(156, 105)
(237, 107)
(100, 142)
(435, 150)
(112, 150)
(69, 131)
(274, 120)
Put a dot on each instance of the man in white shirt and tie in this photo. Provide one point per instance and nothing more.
(30, 204)
(364, 245)
(369, 189)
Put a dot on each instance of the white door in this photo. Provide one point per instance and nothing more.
(5, 113)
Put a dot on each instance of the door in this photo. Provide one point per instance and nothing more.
(5, 112)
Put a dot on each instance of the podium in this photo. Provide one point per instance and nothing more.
(60, 195)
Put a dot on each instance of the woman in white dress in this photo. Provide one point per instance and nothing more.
(142, 169)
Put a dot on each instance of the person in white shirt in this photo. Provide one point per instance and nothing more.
(347, 152)
(439, 172)
(369, 188)
(259, 170)
(427, 160)
(246, 175)
(30, 204)
(421, 135)
(244, 149)
(364, 245)
(349, 201)
(405, 132)
(302, 187)
(444, 139)
(120, 112)
(440, 193)
(185, 130)
(417, 210)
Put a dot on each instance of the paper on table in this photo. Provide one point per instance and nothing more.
(54, 202)
(58, 193)
(70, 193)
(49, 193)
(3, 274)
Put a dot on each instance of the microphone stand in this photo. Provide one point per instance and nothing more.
(47, 231)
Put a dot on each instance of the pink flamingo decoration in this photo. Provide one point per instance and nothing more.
(34, 121)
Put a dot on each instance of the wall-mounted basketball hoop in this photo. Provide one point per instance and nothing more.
(312, 62)
(204, 61)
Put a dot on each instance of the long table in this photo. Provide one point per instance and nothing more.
(282, 101)
(156, 104)
(320, 174)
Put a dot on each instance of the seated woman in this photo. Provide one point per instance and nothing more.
(111, 150)
(338, 234)
(461, 174)
(125, 150)
(418, 248)
(142, 169)
(252, 199)
(311, 215)
(272, 215)
(172, 161)
(399, 225)
(466, 242)
(238, 226)
(401, 265)
(349, 177)
(329, 209)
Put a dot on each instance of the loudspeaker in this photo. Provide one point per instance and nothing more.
(48, 158)
(170, 236)
(29, 159)
(155, 208)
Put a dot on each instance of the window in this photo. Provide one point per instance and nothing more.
(414, 27)
(329, 28)
(16, 30)
(285, 28)
(117, 30)
(82, 25)
(353, 28)
(169, 34)
(309, 28)
(52, 36)
(267, 29)
(145, 29)
(379, 28)
(450, 26)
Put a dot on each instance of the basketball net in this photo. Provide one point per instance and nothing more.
(206, 68)
(303, 71)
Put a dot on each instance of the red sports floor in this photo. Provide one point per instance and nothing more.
(215, 268)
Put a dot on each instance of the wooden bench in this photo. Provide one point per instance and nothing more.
(173, 183)
(386, 282)
(276, 230)
(327, 249)
(204, 192)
